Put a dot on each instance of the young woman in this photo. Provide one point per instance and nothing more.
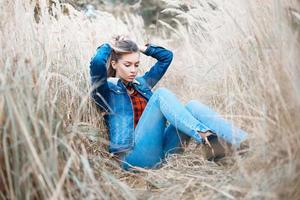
(144, 126)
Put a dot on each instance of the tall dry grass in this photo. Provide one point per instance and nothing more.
(239, 57)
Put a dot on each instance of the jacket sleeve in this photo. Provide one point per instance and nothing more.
(164, 58)
(98, 73)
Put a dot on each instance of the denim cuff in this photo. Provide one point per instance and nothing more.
(105, 46)
(150, 49)
(197, 137)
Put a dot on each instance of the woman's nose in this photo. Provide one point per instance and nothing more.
(133, 69)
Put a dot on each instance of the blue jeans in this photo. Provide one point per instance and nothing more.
(154, 138)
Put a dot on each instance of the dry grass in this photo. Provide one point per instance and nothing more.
(240, 57)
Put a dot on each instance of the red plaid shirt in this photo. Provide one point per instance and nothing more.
(138, 103)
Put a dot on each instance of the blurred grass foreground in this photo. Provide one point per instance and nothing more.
(240, 57)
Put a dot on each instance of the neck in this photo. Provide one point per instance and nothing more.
(124, 81)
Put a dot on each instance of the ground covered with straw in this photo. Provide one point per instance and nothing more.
(239, 57)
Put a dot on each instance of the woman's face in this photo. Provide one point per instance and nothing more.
(127, 66)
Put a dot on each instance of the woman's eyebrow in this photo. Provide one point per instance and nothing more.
(131, 62)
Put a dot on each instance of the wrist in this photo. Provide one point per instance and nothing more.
(142, 48)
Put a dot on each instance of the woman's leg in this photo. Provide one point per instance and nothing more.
(217, 124)
(174, 139)
(149, 133)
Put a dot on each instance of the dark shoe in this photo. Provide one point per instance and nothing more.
(213, 149)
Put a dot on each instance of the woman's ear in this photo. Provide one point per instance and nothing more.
(113, 64)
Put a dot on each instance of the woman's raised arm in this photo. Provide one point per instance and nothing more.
(164, 58)
(98, 73)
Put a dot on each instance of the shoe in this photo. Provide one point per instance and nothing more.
(213, 149)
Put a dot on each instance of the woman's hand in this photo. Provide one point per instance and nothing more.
(142, 48)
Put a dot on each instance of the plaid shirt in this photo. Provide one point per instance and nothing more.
(138, 103)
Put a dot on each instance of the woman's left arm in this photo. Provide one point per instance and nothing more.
(164, 58)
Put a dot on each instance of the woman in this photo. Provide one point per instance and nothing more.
(144, 126)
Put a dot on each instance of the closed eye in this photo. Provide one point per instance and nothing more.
(128, 64)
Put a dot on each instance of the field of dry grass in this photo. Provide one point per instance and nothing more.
(239, 57)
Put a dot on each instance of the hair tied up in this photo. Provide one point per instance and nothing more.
(118, 38)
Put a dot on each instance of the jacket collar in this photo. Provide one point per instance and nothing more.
(118, 81)
(135, 82)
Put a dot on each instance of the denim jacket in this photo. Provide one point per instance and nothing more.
(111, 95)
